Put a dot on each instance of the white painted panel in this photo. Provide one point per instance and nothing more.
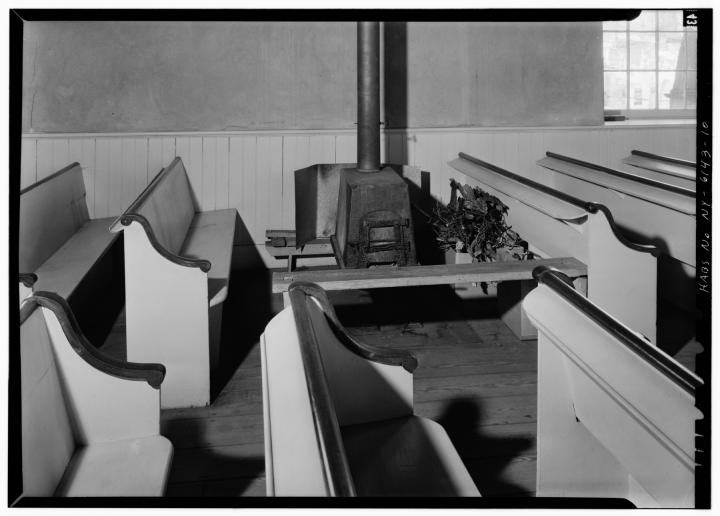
(268, 187)
(221, 174)
(209, 160)
(243, 162)
(127, 171)
(155, 160)
(114, 201)
(60, 153)
(346, 148)
(28, 156)
(44, 158)
(87, 161)
(102, 177)
(296, 155)
(140, 165)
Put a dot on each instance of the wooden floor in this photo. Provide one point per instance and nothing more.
(474, 377)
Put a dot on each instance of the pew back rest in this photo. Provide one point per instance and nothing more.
(167, 205)
(317, 379)
(51, 211)
(633, 398)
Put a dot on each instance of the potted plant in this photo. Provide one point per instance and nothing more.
(474, 223)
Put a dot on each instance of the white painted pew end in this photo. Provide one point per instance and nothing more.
(338, 414)
(90, 424)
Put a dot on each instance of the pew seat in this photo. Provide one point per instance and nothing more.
(338, 414)
(177, 275)
(62, 250)
(90, 423)
(407, 456)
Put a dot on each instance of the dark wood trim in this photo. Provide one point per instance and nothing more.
(131, 214)
(28, 278)
(386, 356)
(153, 374)
(591, 207)
(128, 218)
(50, 177)
(562, 286)
(338, 478)
(624, 175)
(667, 159)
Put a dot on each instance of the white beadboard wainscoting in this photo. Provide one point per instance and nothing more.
(253, 171)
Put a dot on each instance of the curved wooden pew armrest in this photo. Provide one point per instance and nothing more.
(128, 218)
(591, 207)
(153, 374)
(28, 279)
(676, 161)
(299, 289)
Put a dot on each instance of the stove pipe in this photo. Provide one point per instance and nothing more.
(368, 98)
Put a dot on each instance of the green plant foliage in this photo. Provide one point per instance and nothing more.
(475, 223)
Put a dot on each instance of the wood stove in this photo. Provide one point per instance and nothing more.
(373, 219)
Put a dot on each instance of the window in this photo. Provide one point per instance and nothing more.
(650, 65)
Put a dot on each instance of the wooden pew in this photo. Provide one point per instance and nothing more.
(678, 172)
(559, 225)
(616, 415)
(62, 250)
(90, 424)
(647, 211)
(338, 414)
(177, 275)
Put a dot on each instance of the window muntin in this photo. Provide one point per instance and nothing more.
(650, 65)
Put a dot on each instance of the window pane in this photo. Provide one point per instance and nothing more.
(669, 47)
(691, 50)
(615, 25)
(642, 90)
(670, 20)
(672, 90)
(615, 90)
(615, 50)
(642, 51)
(646, 21)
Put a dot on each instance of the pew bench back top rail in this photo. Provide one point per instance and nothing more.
(51, 211)
(165, 210)
(319, 378)
(385, 277)
(634, 399)
(90, 423)
(683, 169)
(547, 200)
(660, 192)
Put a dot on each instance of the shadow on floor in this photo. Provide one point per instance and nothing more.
(485, 457)
(222, 471)
(247, 311)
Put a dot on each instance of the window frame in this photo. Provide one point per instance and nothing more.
(656, 112)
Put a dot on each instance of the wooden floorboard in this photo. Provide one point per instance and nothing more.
(474, 377)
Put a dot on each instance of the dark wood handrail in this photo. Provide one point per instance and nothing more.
(562, 286)
(388, 356)
(131, 214)
(668, 159)
(336, 470)
(153, 374)
(591, 207)
(28, 278)
(624, 175)
(50, 177)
